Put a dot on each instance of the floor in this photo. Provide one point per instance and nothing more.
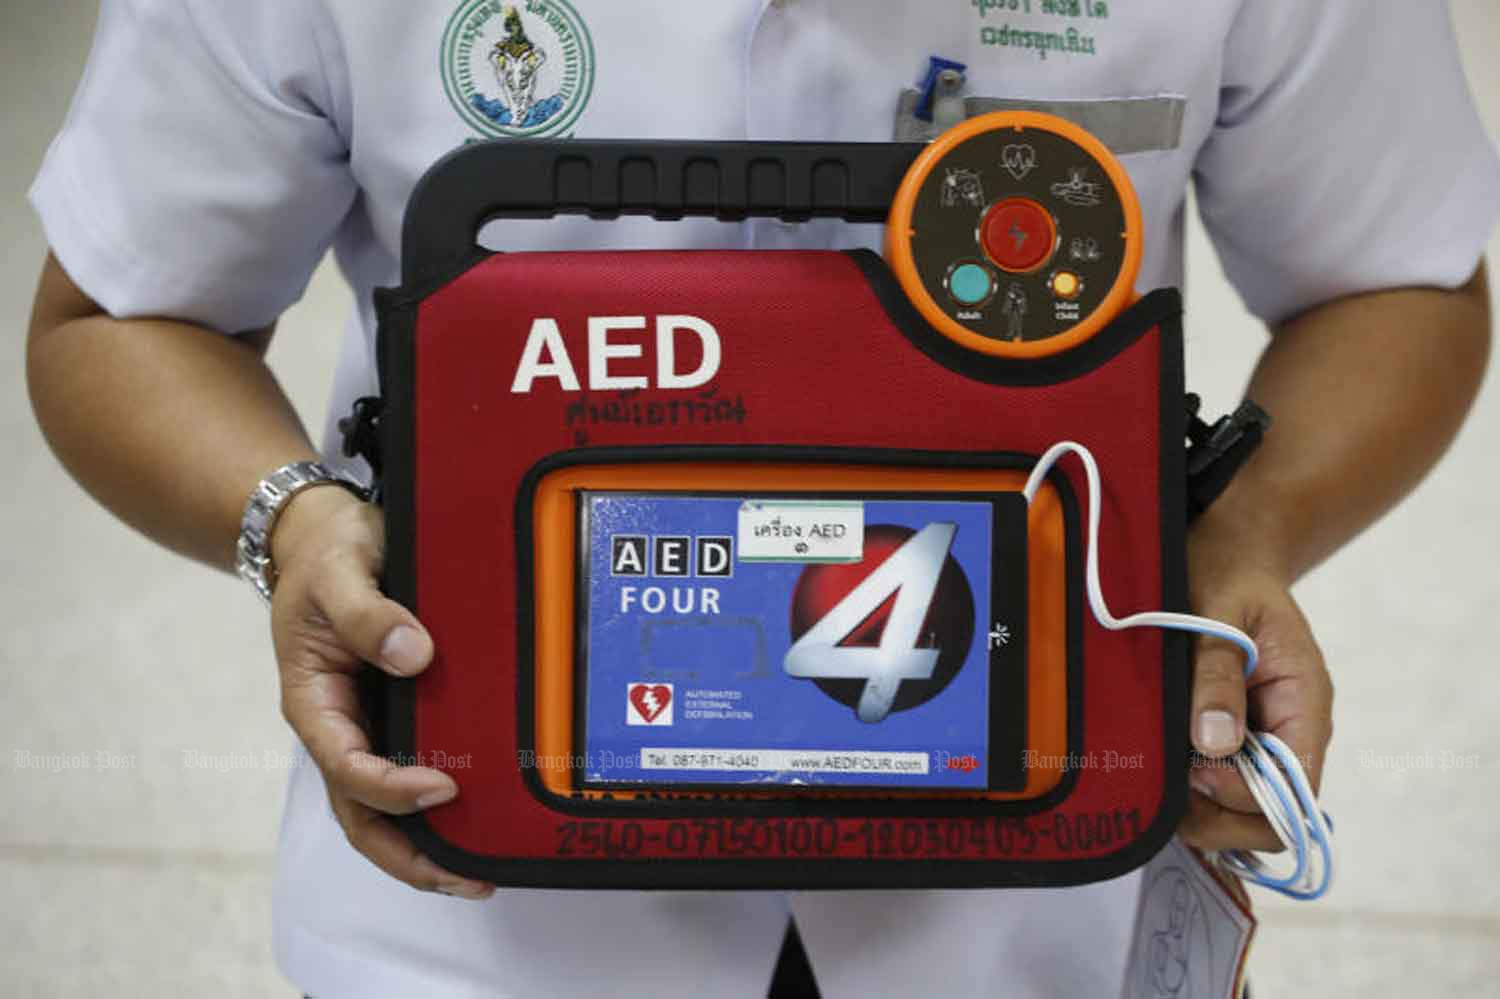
(142, 762)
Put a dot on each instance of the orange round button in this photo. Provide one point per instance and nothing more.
(1066, 284)
(1018, 235)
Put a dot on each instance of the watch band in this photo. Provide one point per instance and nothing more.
(264, 508)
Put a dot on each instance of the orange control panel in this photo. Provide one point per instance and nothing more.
(1017, 235)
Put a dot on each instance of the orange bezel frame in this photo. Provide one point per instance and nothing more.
(898, 235)
(555, 542)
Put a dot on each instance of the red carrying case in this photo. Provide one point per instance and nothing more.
(826, 376)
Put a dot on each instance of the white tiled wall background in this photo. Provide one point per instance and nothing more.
(147, 875)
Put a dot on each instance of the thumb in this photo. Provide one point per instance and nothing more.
(367, 623)
(1218, 697)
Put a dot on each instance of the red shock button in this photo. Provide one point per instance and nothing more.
(1018, 235)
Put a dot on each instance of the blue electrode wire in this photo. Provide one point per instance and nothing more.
(1270, 770)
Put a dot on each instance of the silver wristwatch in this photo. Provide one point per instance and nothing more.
(253, 552)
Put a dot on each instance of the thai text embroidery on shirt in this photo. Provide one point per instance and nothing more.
(1066, 39)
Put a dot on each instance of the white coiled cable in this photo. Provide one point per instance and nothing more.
(1270, 770)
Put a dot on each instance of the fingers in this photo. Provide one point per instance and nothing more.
(1296, 702)
(1308, 740)
(1220, 782)
(1218, 697)
(327, 618)
(323, 710)
(378, 630)
(1290, 696)
(321, 703)
(388, 848)
(1211, 826)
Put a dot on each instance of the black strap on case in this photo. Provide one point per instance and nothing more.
(1217, 452)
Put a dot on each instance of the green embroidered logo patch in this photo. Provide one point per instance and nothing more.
(522, 70)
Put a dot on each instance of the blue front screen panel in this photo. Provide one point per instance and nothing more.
(685, 678)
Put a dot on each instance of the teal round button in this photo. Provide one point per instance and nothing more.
(970, 284)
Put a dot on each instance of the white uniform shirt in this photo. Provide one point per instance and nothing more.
(216, 149)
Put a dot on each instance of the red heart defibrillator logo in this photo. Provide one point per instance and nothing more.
(651, 704)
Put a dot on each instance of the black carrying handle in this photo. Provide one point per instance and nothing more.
(730, 181)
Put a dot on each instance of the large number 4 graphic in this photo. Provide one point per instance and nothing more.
(911, 572)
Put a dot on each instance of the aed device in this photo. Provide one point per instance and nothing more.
(731, 558)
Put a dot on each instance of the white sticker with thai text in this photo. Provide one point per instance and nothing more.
(801, 531)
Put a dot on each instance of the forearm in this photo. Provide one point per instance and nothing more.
(1366, 394)
(167, 424)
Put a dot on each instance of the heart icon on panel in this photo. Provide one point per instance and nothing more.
(1018, 160)
(651, 704)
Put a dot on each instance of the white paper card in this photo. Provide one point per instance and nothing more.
(801, 531)
(1192, 933)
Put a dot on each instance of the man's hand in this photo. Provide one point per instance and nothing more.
(1289, 695)
(328, 619)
